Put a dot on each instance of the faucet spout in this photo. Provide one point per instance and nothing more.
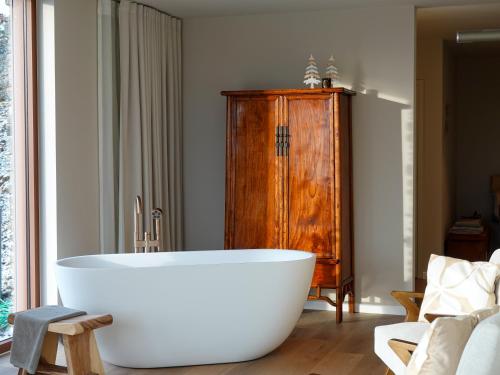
(139, 245)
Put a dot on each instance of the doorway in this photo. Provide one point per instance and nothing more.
(457, 131)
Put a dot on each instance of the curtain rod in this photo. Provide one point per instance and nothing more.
(149, 6)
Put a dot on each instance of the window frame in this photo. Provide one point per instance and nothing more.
(25, 116)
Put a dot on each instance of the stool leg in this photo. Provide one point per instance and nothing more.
(95, 358)
(49, 349)
(82, 354)
(48, 354)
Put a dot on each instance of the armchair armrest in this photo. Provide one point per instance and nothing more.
(407, 300)
(432, 317)
(403, 349)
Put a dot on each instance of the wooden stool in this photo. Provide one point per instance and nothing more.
(80, 347)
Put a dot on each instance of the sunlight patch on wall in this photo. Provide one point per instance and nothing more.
(408, 172)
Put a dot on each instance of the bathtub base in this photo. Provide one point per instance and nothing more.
(185, 364)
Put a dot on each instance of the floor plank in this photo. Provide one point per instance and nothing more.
(317, 346)
(338, 363)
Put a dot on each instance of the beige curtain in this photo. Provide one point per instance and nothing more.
(149, 154)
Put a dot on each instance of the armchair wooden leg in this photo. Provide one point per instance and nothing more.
(403, 349)
(389, 372)
(408, 301)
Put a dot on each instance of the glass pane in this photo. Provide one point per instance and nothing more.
(7, 239)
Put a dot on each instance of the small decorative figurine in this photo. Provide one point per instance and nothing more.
(311, 77)
(332, 71)
(326, 83)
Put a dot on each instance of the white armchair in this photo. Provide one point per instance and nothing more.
(395, 343)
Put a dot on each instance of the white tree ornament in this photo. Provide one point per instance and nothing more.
(332, 71)
(311, 77)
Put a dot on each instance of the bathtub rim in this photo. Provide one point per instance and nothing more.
(305, 256)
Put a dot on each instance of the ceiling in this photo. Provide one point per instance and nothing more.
(210, 8)
(444, 22)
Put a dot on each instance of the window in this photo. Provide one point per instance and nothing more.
(19, 284)
(7, 227)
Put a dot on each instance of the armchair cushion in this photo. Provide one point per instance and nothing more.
(482, 314)
(409, 331)
(441, 346)
(495, 259)
(480, 355)
(458, 287)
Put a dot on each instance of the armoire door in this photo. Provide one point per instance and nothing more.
(310, 173)
(252, 180)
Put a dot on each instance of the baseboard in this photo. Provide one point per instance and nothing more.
(360, 307)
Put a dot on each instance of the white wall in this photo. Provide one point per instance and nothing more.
(76, 126)
(69, 134)
(374, 48)
(478, 133)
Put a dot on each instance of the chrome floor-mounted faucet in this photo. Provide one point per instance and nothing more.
(152, 241)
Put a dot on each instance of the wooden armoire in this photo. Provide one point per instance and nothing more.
(289, 180)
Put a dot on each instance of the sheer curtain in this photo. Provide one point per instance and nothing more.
(140, 121)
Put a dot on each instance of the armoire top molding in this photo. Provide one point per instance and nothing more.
(341, 90)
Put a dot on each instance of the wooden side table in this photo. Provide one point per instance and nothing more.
(471, 247)
(80, 347)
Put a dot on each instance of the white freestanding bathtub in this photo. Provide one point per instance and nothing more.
(189, 308)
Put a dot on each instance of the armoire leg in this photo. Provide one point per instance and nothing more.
(339, 302)
(351, 298)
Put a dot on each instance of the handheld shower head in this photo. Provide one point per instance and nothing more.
(156, 214)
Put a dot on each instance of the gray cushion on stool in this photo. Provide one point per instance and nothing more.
(481, 353)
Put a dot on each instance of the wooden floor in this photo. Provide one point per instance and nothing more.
(317, 346)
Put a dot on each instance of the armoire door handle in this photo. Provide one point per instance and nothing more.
(282, 140)
(279, 140)
(286, 140)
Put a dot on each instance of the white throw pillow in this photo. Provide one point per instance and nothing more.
(458, 287)
(495, 259)
(497, 290)
(497, 285)
(440, 349)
